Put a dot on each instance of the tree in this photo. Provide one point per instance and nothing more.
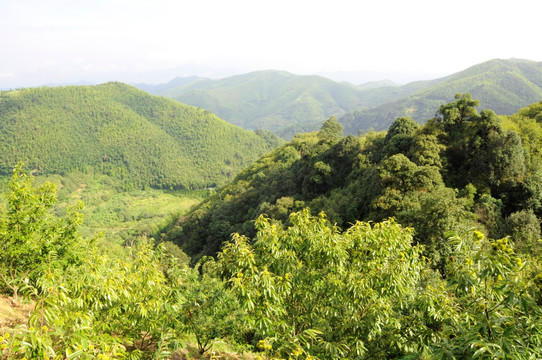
(110, 306)
(399, 136)
(205, 307)
(402, 126)
(30, 236)
(459, 111)
(312, 289)
(425, 150)
(496, 296)
(332, 130)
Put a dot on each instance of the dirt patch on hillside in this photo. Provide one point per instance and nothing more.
(13, 313)
(80, 190)
(191, 353)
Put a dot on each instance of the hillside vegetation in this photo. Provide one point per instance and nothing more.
(419, 242)
(461, 169)
(306, 286)
(118, 130)
(501, 85)
(278, 101)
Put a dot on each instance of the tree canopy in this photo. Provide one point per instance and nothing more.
(437, 177)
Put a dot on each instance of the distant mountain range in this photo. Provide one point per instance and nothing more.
(119, 130)
(279, 101)
(271, 100)
(285, 103)
(501, 85)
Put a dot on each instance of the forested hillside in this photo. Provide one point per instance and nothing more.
(275, 100)
(118, 130)
(447, 267)
(461, 169)
(501, 85)
(287, 104)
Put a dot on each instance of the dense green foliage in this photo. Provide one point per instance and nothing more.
(306, 290)
(461, 169)
(120, 131)
(312, 291)
(356, 247)
(31, 239)
(91, 302)
(501, 85)
(330, 294)
(526, 122)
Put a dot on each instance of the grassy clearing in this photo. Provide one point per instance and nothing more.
(115, 215)
(122, 215)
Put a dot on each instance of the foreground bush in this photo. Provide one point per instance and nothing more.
(311, 290)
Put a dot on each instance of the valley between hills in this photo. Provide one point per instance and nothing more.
(274, 216)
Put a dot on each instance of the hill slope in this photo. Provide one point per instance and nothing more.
(501, 85)
(121, 131)
(276, 100)
(455, 172)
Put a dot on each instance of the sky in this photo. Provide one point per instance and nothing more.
(62, 41)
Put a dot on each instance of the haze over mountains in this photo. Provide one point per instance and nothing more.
(285, 103)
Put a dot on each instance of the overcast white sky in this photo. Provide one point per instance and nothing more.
(58, 41)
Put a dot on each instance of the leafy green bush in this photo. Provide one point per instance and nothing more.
(333, 294)
(31, 238)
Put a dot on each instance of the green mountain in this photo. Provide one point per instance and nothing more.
(124, 132)
(501, 85)
(462, 169)
(287, 104)
(278, 101)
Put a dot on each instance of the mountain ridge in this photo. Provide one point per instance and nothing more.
(501, 85)
(274, 100)
(285, 103)
(119, 130)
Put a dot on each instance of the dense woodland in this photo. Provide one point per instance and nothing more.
(461, 169)
(118, 130)
(422, 242)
